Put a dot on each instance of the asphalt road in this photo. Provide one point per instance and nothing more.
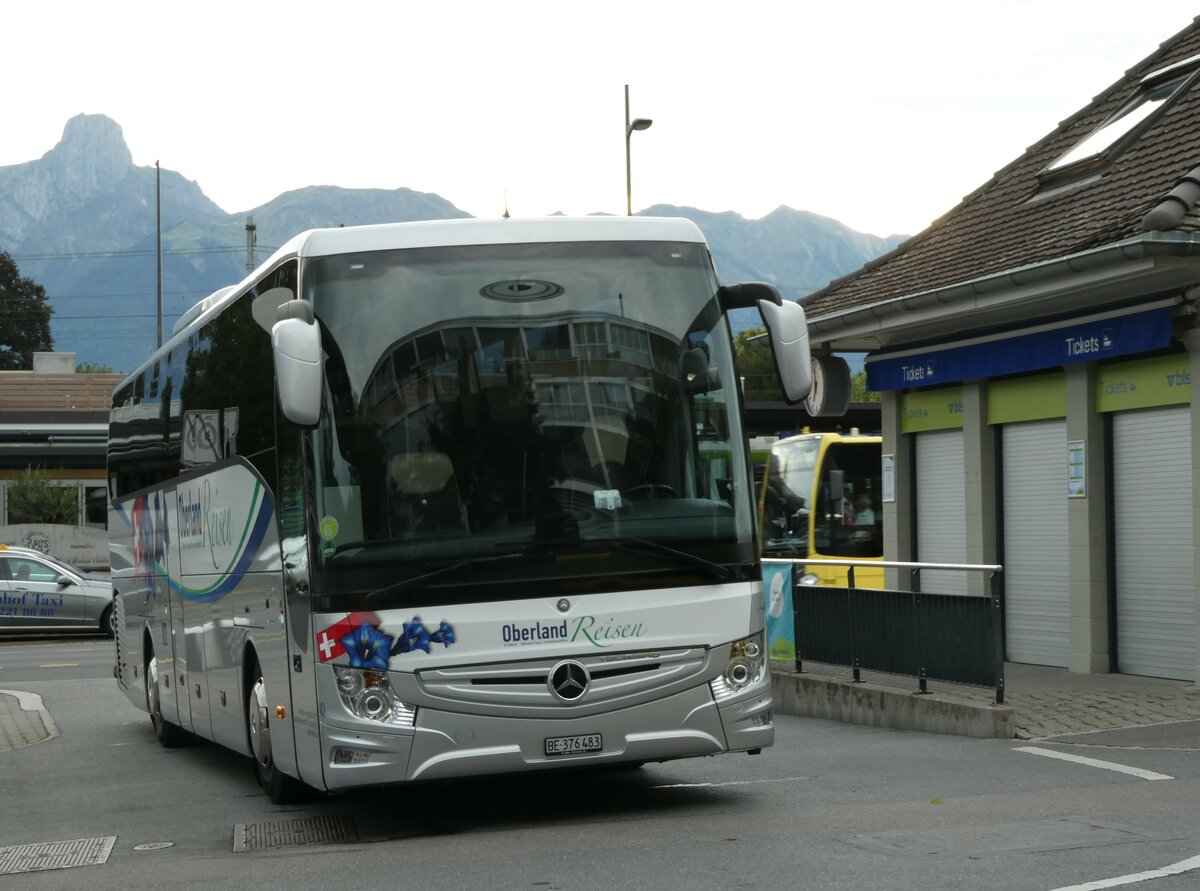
(830, 806)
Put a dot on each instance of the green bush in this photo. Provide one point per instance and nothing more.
(34, 498)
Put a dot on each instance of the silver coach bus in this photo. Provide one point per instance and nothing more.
(442, 499)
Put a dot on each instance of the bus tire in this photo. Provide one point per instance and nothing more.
(171, 736)
(280, 788)
(107, 628)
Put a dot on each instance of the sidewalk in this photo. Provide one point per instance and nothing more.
(1038, 701)
(23, 720)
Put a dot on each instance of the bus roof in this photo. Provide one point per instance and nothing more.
(439, 233)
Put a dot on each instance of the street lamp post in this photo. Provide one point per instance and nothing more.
(630, 126)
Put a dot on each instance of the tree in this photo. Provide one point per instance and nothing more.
(24, 318)
(33, 498)
(859, 391)
(756, 366)
(92, 368)
(760, 382)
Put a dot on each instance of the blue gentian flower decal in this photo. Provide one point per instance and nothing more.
(368, 647)
(444, 635)
(413, 637)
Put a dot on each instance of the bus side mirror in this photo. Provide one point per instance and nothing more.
(296, 344)
(788, 330)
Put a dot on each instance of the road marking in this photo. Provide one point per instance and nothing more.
(733, 783)
(1173, 870)
(1094, 762)
(60, 665)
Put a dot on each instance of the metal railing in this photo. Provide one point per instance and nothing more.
(956, 638)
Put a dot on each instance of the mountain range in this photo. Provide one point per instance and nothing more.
(81, 221)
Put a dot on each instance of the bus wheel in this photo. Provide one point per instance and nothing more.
(280, 788)
(108, 620)
(170, 735)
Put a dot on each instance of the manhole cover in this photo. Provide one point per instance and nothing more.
(55, 855)
(285, 833)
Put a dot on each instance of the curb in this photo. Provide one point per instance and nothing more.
(804, 696)
(24, 720)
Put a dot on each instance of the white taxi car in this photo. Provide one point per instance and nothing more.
(42, 594)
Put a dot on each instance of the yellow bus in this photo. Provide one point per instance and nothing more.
(820, 498)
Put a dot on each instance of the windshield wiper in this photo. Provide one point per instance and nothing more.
(720, 570)
(417, 581)
(631, 545)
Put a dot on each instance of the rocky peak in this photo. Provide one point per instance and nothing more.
(91, 157)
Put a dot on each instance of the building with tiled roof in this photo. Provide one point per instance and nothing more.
(55, 421)
(1034, 350)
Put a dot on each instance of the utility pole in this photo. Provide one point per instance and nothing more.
(251, 241)
(158, 230)
(630, 126)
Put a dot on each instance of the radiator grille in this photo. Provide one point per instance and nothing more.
(525, 684)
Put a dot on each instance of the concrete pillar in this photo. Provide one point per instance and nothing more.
(898, 539)
(1087, 529)
(1191, 339)
(979, 468)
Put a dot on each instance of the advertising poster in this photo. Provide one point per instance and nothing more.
(781, 634)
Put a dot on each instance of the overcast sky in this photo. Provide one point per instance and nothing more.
(878, 113)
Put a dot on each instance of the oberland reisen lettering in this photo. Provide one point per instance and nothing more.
(587, 629)
(602, 634)
(514, 633)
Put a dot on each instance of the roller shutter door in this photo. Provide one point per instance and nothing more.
(1036, 595)
(941, 509)
(1155, 563)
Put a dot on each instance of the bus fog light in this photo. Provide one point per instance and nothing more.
(350, 756)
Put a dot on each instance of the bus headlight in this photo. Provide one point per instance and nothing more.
(369, 695)
(746, 666)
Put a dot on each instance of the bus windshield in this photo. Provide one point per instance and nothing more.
(821, 497)
(528, 416)
(786, 496)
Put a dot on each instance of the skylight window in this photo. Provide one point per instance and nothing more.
(1101, 144)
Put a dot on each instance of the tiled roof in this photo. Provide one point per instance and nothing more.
(1012, 221)
(27, 391)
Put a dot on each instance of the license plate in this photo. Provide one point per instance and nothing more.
(571, 745)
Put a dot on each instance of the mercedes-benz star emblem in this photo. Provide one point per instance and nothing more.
(569, 681)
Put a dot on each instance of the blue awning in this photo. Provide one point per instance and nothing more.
(1081, 342)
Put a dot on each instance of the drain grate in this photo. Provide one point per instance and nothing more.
(285, 833)
(55, 855)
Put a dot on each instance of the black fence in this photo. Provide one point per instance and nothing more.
(947, 637)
